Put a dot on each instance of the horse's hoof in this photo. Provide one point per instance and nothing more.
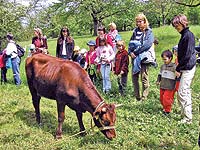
(58, 136)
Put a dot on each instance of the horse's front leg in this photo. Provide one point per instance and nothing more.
(80, 121)
(61, 117)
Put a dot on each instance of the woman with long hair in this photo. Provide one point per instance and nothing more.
(65, 45)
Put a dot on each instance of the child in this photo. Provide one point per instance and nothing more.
(105, 56)
(166, 80)
(90, 65)
(121, 66)
(75, 53)
(175, 52)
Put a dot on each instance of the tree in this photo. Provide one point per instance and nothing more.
(96, 10)
(189, 3)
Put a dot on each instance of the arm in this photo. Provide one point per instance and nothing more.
(185, 51)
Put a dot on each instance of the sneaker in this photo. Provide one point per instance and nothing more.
(166, 113)
(186, 121)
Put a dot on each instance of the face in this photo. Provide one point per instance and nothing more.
(100, 32)
(106, 118)
(91, 47)
(36, 33)
(102, 43)
(119, 47)
(166, 59)
(111, 28)
(140, 23)
(64, 32)
(175, 53)
(178, 27)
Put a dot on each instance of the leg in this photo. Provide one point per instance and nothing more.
(80, 122)
(61, 117)
(36, 104)
(168, 99)
(145, 80)
(107, 78)
(136, 87)
(103, 76)
(124, 83)
(184, 93)
(3, 74)
(15, 69)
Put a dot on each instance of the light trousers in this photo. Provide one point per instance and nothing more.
(184, 92)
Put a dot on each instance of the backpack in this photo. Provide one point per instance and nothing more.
(118, 37)
(20, 50)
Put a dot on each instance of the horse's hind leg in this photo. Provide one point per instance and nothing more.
(36, 104)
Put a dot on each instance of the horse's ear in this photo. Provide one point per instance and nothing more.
(96, 114)
(118, 105)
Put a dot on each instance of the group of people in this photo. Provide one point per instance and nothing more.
(108, 54)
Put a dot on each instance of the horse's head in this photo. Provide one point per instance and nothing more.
(104, 118)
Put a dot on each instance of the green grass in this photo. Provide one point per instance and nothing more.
(139, 125)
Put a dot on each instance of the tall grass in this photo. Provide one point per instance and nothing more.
(140, 125)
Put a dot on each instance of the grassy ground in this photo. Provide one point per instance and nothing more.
(140, 125)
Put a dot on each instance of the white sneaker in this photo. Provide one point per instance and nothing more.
(186, 121)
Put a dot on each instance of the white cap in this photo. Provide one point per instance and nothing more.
(32, 47)
(83, 51)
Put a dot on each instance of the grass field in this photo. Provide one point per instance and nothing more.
(139, 125)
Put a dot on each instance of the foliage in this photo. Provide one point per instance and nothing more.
(139, 125)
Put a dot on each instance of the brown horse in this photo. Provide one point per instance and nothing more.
(68, 84)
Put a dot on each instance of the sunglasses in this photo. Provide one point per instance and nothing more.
(64, 30)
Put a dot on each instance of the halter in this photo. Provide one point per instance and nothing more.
(100, 121)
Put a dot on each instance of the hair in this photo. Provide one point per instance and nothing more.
(9, 36)
(39, 31)
(121, 42)
(167, 53)
(64, 28)
(143, 17)
(61, 37)
(103, 40)
(102, 28)
(113, 25)
(180, 19)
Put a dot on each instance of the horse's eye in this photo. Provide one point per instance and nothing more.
(106, 123)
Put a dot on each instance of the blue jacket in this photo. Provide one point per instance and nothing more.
(146, 40)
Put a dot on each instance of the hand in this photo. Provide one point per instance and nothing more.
(157, 83)
(178, 74)
(122, 72)
(133, 55)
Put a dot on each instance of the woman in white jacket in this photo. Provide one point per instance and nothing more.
(11, 50)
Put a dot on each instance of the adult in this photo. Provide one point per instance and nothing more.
(113, 33)
(11, 50)
(40, 41)
(65, 45)
(143, 34)
(186, 65)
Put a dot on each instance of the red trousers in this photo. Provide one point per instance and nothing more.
(166, 99)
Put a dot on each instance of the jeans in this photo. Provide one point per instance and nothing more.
(15, 68)
(105, 72)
